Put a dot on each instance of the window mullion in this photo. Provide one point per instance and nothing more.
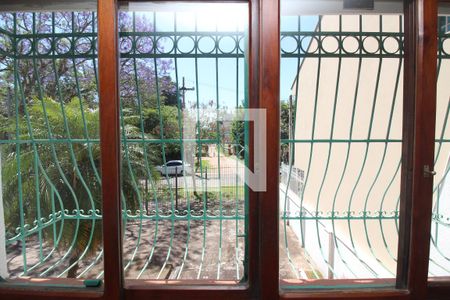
(108, 60)
(418, 146)
(269, 83)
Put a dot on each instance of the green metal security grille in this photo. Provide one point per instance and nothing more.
(50, 152)
(340, 182)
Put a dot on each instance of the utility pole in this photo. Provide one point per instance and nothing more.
(183, 90)
(190, 152)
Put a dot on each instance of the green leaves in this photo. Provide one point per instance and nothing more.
(43, 160)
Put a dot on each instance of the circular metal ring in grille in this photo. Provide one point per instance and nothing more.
(445, 46)
(390, 45)
(227, 44)
(165, 44)
(185, 44)
(289, 44)
(144, 45)
(350, 44)
(125, 45)
(206, 44)
(329, 44)
(63, 45)
(44, 46)
(83, 45)
(370, 44)
(24, 46)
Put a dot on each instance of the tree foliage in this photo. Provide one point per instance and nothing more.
(238, 132)
(49, 107)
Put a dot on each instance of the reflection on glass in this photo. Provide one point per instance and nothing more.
(182, 73)
(341, 120)
(439, 264)
(50, 196)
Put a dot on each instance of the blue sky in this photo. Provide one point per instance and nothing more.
(211, 17)
(231, 81)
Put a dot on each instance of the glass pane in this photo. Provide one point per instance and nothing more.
(439, 264)
(341, 120)
(50, 199)
(182, 72)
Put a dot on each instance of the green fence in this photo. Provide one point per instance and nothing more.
(50, 148)
(341, 182)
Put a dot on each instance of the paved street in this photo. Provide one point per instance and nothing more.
(231, 173)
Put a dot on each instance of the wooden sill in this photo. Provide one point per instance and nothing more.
(51, 287)
(337, 283)
(184, 284)
(341, 289)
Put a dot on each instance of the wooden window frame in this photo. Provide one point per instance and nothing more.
(263, 268)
